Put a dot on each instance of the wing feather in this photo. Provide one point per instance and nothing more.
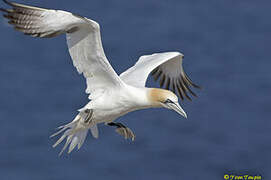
(83, 39)
(166, 66)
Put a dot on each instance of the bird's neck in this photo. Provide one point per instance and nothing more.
(142, 97)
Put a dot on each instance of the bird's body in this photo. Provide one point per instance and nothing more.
(115, 103)
(111, 95)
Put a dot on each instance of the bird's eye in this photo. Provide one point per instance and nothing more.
(168, 101)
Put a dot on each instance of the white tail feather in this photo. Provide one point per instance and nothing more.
(75, 132)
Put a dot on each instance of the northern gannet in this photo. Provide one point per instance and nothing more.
(111, 96)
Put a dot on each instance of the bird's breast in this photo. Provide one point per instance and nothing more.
(114, 104)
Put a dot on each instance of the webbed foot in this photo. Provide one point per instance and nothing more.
(123, 130)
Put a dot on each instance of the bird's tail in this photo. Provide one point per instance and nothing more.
(75, 132)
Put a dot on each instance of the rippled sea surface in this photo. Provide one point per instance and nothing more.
(227, 51)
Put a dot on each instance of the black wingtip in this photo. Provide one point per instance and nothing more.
(3, 10)
(191, 82)
(7, 2)
(197, 86)
(10, 3)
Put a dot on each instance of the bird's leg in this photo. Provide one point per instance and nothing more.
(123, 130)
(89, 113)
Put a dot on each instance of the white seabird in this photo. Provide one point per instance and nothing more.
(111, 95)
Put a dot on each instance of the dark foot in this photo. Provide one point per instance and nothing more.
(123, 130)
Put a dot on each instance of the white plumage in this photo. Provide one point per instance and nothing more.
(111, 95)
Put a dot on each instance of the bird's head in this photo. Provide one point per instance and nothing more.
(165, 98)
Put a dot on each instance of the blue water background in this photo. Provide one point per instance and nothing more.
(227, 51)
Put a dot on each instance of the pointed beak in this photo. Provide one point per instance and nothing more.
(176, 107)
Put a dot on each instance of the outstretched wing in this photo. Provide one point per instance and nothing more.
(166, 66)
(83, 39)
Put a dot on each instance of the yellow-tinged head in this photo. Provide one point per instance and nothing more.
(164, 98)
(158, 96)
